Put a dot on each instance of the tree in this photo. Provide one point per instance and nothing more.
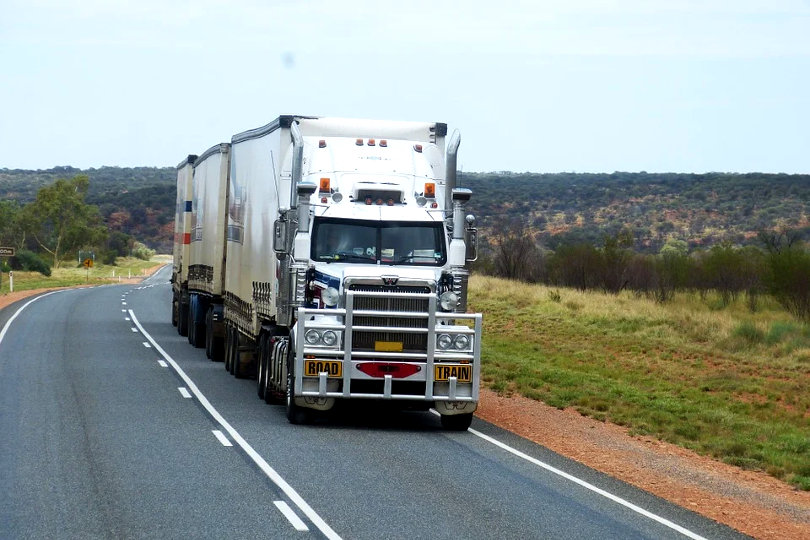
(516, 254)
(10, 232)
(60, 221)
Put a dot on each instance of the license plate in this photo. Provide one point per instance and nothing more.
(313, 368)
(462, 372)
(388, 346)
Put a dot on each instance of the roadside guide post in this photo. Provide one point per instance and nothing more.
(7, 252)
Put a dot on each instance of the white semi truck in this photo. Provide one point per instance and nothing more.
(333, 265)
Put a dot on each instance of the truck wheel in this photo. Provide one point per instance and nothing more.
(196, 329)
(457, 422)
(182, 317)
(209, 335)
(238, 369)
(295, 414)
(190, 323)
(261, 367)
(228, 347)
(216, 344)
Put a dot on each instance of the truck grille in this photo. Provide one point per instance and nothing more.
(365, 341)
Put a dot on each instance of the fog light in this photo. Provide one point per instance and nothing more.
(329, 338)
(330, 296)
(312, 336)
(461, 342)
(444, 341)
(448, 300)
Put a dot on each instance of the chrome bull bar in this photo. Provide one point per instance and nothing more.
(433, 323)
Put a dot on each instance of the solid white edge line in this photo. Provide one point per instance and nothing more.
(291, 516)
(184, 392)
(16, 313)
(586, 485)
(236, 437)
(221, 437)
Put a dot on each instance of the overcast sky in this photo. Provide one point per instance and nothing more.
(541, 86)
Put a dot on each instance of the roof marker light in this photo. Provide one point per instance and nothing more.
(383, 143)
(358, 142)
(372, 142)
(322, 143)
(379, 202)
(390, 202)
(418, 148)
(368, 200)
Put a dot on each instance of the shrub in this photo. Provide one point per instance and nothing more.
(749, 332)
(31, 262)
(790, 280)
(142, 252)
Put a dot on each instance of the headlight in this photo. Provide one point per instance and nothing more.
(461, 342)
(448, 300)
(330, 296)
(329, 338)
(444, 341)
(312, 336)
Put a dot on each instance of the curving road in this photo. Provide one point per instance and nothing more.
(113, 426)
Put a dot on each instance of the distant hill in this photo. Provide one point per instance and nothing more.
(702, 209)
(135, 200)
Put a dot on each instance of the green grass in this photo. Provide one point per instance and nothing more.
(724, 382)
(69, 275)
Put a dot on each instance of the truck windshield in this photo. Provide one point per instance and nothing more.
(383, 242)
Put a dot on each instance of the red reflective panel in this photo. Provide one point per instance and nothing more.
(381, 369)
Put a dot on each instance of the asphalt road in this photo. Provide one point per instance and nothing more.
(113, 426)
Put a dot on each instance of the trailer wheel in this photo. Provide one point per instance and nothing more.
(182, 317)
(457, 422)
(228, 347)
(196, 329)
(295, 414)
(209, 335)
(174, 310)
(190, 323)
(216, 344)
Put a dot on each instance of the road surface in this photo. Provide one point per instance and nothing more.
(113, 426)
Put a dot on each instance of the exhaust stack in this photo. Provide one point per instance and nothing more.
(450, 171)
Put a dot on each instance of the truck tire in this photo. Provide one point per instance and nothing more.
(457, 422)
(228, 348)
(182, 317)
(261, 366)
(295, 414)
(196, 329)
(190, 323)
(209, 335)
(214, 343)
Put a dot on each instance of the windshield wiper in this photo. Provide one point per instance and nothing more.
(346, 255)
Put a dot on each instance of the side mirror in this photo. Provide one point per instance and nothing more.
(280, 236)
